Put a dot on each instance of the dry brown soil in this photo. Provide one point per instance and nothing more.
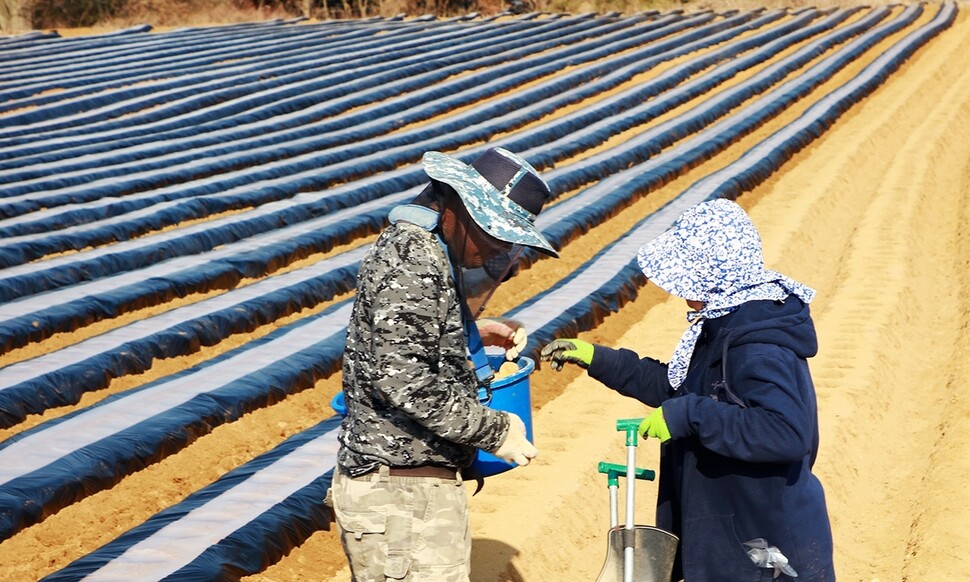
(875, 215)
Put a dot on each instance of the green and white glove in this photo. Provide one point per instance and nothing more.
(655, 426)
(572, 350)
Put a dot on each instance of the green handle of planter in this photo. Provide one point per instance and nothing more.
(613, 473)
(630, 426)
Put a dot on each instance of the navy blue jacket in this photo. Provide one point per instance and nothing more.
(744, 433)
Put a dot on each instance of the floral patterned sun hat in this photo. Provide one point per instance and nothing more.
(712, 254)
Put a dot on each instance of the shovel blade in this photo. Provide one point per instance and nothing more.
(653, 555)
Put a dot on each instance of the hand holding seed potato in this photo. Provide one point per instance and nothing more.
(504, 333)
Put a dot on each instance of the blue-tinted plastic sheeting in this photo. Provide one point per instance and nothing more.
(124, 179)
(197, 275)
(93, 448)
(108, 365)
(168, 59)
(239, 127)
(17, 252)
(287, 520)
(765, 158)
(428, 63)
(29, 281)
(647, 178)
(314, 135)
(575, 217)
(27, 39)
(169, 51)
(60, 378)
(210, 238)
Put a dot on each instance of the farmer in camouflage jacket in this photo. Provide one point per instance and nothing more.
(414, 420)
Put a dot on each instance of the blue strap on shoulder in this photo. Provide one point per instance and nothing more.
(476, 350)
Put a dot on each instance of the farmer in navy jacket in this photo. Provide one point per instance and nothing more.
(735, 407)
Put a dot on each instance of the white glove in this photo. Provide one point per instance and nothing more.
(516, 447)
(505, 333)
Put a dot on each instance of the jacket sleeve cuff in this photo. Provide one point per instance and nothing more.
(675, 415)
(501, 419)
(602, 360)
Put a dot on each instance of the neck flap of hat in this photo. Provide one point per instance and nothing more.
(712, 254)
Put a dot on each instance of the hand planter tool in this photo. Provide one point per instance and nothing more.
(634, 552)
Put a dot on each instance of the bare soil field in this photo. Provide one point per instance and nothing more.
(875, 215)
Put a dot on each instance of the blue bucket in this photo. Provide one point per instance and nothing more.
(510, 394)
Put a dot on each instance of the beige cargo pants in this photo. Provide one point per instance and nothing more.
(402, 528)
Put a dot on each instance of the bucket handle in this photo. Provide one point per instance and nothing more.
(487, 400)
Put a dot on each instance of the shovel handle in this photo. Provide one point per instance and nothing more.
(613, 473)
(631, 427)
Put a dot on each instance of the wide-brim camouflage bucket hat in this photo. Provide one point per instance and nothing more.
(501, 192)
(713, 254)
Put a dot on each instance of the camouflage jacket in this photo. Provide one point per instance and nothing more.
(411, 397)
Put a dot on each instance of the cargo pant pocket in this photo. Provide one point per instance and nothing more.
(370, 522)
(360, 523)
(362, 534)
(398, 565)
(399, 537)
(378, 544)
